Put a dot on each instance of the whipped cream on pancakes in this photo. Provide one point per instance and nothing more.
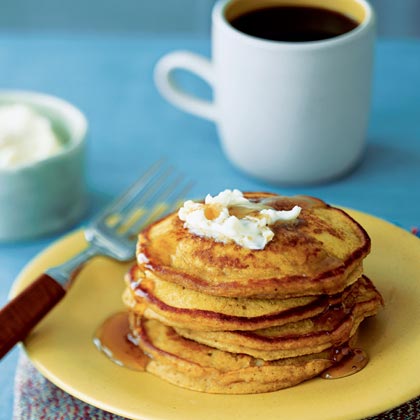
(229, 216)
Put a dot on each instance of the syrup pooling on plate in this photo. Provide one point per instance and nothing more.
(347, 362)
(114, 339)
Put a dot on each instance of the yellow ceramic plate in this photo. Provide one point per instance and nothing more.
(61, 346)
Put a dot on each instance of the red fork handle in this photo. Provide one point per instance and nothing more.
(24, 311)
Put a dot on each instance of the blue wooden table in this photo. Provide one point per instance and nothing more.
(110, 79)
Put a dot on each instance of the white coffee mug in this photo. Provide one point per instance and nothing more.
(286, 112)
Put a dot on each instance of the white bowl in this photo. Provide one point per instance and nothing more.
(48, 195)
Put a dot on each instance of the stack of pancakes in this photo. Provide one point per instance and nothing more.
(218, 317)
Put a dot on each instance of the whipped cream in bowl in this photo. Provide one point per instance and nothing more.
(42, 164)
(26, 136)
(231, 217)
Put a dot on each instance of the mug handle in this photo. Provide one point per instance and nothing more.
(171, 91)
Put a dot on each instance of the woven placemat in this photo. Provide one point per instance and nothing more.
(36, 398)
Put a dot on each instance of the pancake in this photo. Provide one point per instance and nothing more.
(313, 255)
(198, 367)
(221, 318)
(178, 306)
(331, 328)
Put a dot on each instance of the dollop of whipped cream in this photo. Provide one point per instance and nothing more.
(216, 219)
(25, 136)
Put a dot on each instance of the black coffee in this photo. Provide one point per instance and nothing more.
(293, 23)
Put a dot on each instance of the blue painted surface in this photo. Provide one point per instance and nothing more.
(110, 79)
(395, 18)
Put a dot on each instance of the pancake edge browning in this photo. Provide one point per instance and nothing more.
(256, 344)
(214, 371)
(329, 282)
(147, 304)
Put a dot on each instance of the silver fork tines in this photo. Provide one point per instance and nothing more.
(114, 231)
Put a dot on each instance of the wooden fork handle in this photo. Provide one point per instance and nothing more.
(22, 313)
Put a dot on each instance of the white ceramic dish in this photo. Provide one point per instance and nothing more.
(47, 195)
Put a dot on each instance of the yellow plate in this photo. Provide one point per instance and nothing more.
(61, 346)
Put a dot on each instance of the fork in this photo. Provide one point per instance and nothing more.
(113, 233)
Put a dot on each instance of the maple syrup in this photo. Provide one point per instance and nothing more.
(348, 361)
(114, 339)
(251, 209)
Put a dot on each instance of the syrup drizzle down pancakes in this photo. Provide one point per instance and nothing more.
(218, 317)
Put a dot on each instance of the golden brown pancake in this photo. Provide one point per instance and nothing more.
(315, 254)
(195, 366)
(178, 306)
(220, 318)
(333, 327)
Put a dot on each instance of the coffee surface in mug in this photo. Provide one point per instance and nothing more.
(293, 23)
